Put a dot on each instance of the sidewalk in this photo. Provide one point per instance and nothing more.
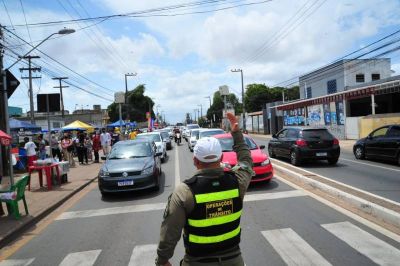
(345, 144)
(41, 202)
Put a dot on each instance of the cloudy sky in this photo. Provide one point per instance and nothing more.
(184, 54)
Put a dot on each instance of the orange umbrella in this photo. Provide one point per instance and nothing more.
(4, 138)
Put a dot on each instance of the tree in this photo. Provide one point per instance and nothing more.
(257, 95)
(135, 109)
(218, 106)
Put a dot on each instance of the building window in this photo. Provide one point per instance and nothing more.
(375, 77)
(360, 78)
(309, 93)
(331, 86)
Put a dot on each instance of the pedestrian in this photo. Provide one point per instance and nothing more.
(96, 146)
(81, 149)
(105, 140)
(30, 148)
(208, 206)
(55, 147)
(67, 146)
(42, 147)
(89, 148)
(132, 135)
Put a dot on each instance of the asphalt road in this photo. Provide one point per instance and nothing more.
(281, 225)
(380, 178)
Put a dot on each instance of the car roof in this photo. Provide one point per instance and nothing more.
(306, 128)
(209, 129)
(227, 135)
(121, 142)
(151, 133)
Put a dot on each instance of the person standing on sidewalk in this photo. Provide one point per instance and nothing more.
(89, 148)
(82, 151)
(96, 146)
(30, 148)
(55, 147)
(42, 147)
(208, 207)
(68, 147)
(105, 140)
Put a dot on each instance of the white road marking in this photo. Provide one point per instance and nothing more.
(111, 211)
(275, 195)
(177, 171)
(84, 258)
(353, 216)
(161, 206)
(336, 182)
(372, 247)
(374, 165)
(143, 255)
(16, 262)
(292, 248)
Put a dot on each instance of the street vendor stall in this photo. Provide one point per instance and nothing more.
(21, 129)
(5, 141)
(78, 125)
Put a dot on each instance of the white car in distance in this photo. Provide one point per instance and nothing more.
(156, 137)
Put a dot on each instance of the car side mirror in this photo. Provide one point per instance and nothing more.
(274, 136)
(369, 137)
(262, 147)
(103, 158)
(158, 154)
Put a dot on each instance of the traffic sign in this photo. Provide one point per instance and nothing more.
(12, 83)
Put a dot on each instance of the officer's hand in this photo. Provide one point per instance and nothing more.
(233, 121)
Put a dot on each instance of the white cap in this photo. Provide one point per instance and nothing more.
(207, 150)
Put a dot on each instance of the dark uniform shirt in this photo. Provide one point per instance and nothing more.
(181, 202)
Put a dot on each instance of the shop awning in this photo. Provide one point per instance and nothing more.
(5, 139)
(17, 125)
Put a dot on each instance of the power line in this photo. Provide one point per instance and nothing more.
(26, 22)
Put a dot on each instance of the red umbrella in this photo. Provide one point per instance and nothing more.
(4, 138)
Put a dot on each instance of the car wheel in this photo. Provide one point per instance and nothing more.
(359, 153)
(333, 161)
(294, 158)
(104, 194)
(271, 153)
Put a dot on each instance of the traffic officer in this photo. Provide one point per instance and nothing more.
(208, 207)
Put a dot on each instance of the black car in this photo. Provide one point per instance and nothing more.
(301, 144)
(131, 165)
(382, 143)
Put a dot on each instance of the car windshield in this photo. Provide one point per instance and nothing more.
(210, 133)
(195, 133)
(131, 150)
(316, 134)
(152, 137)
(227, 143)
(164, 135)
(192, 126)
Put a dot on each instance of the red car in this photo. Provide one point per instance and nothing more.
(261, 164)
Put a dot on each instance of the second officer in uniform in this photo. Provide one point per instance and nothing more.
(208, 207)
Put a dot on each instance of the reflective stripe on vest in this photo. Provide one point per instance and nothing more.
(215, 221)
(213, 239)
(215, 196)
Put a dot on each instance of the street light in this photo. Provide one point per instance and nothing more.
(5, 96)
(209, 98)
(244, 110)
(126, 83)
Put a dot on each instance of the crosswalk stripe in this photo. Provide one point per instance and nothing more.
(143, 255)
(85, 258)
(372, 247)
(161, 205)
(16, 262)
(292, 248)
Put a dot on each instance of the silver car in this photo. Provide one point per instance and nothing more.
(209, 132)
(192, 139)
(131, 165)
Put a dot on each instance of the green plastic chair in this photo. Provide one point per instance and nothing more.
(12, 205)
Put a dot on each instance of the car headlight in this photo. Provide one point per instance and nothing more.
(266, 162)
(104, 173)
(147, 171)
(226, 165)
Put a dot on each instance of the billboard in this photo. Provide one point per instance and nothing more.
(54, 102)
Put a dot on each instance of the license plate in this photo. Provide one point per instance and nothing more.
(322, 154)
(125, 183)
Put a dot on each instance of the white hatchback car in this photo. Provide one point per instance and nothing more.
(156, 137)
(192, 139)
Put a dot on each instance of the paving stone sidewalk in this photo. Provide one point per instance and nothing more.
(41, 201)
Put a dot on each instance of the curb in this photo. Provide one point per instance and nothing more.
(11, 236)
(376, 211)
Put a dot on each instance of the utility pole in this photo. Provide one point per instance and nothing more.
(195, 111)
(201, 109)
(30, 69)
(244, 109)
(126, 84)
(61, 92)
(211, 120)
